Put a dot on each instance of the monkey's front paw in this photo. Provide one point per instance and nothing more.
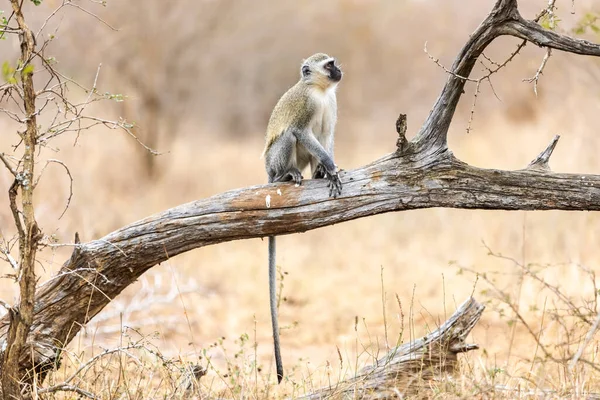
(295, 176)
(335, 185)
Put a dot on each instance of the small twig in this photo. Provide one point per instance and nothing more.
(70, 184)
(548, 10)
(14, 116)
(587, 340)
(473, 106)
(490, 71)
(92, 91)
(494, 90)
(67, 388)
(5, 305)
(105, 353)
(13, 263)
(478, 81)
(124, 126)
(540, 70)
(7, 164)
(494, 63)
(88, 12)
(52, 14)
(439, 64)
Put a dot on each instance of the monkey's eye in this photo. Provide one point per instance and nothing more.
(330, 65)
(305, 70)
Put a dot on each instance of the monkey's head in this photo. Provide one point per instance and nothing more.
(321, 70)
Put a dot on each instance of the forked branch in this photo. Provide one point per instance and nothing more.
(503, 20)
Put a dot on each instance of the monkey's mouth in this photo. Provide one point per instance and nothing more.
(335, 75)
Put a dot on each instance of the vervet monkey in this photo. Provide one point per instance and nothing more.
(300, 132)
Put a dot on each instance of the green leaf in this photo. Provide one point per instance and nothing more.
(8, 73)
(36, 2)
(28, 69)
(549, 23)
(589, 20)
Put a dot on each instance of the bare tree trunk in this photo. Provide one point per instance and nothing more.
(422, 173)
(21, 318)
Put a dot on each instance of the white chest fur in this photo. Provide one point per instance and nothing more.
(324, 120)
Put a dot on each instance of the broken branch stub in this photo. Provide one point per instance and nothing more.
(411, 367)
(541, 161)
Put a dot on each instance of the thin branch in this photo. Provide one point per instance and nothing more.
(549, 10)
(503, 20)
(587, 340)
(105, 353)
(536, 77)
(473, 106)
(14, 116)
(49, 161)
(125, 127)
(13, 263)
(5, 305)
(446, 70)
(52, 14)
(7, 164)
(477, 81)
(67, 388)
(69, 3)
(485, 76)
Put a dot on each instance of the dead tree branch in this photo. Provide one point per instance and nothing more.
(407, 369)
(99, 270)
(422, 173)
(504, 19)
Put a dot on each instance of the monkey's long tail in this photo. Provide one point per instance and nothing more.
(273, 303)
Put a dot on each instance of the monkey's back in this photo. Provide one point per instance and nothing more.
(294, 109)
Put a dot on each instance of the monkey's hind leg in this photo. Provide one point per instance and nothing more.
(319, 172)
(293, 174)
(281, 160)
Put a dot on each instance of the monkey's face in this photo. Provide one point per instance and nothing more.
(332, 71)
(320, 70)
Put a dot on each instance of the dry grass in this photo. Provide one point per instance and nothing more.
(212, 302)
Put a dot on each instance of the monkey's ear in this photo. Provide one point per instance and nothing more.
(305, 70)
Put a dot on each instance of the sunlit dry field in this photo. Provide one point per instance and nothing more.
(396, 273)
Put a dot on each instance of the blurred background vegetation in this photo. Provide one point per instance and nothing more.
(199, 79)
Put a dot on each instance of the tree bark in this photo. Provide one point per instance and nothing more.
(20, 318)
(410, 369)
(422, 173)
